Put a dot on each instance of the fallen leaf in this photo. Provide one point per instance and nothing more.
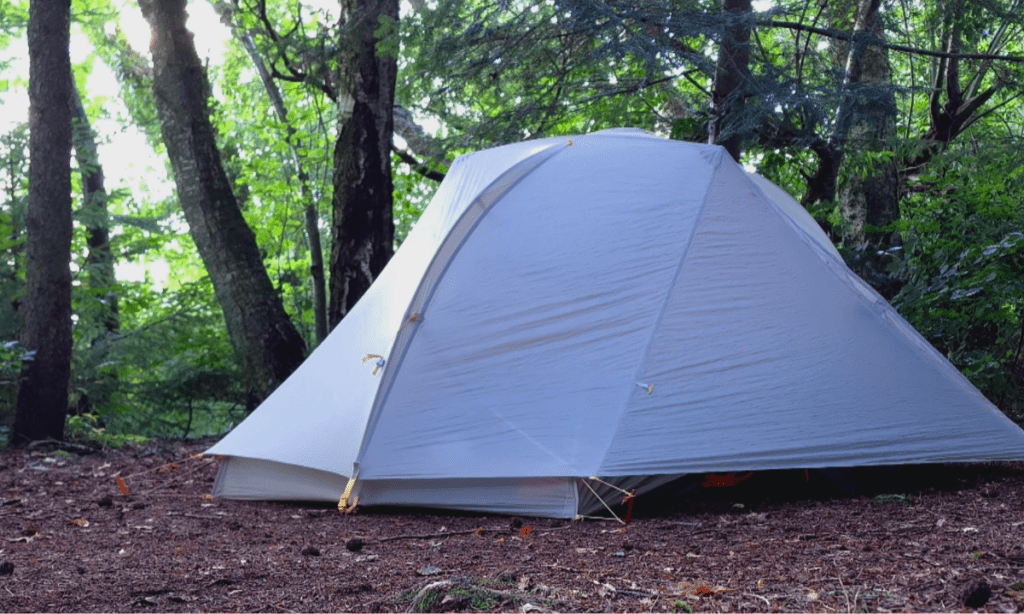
(524, 531)
(696, 588)
(80, 522)
(606, 590)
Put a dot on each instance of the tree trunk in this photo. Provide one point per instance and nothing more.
(263, 336)
(362, 228)
(868, 118)
(865, 119)
(43, 384)
(731, 74)
(99, 262)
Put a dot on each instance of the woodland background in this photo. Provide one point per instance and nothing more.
(292, 163)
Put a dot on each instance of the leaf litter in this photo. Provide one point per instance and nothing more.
(75, 540)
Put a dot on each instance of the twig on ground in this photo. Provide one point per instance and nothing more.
(174, 478)
(436, 535)
(68, 446)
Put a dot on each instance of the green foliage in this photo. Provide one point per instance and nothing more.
(14, 187)
(893, 499)
(962, 260)
(86, 428)
(493, 73)
(12, 357)
(681, 606)
(192, 386)
(412, 192)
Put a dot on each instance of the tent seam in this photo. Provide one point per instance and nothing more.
(716, 164)
(392, 364)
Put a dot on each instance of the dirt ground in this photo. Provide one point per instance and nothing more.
(70, 541)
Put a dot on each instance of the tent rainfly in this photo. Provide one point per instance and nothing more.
(613, 305)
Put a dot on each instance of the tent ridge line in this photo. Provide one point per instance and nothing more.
(423, 296)
(715, 163)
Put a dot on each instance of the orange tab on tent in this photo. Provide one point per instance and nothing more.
(121, 486)
(712, 480)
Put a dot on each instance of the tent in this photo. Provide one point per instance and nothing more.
(614, 305)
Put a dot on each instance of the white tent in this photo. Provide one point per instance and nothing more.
(613, 305)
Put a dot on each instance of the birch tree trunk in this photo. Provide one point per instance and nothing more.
(362, 231)
(867, 120)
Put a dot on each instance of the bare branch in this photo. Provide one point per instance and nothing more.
(771, 23)
(418, 166)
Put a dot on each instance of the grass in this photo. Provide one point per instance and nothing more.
(473, 592)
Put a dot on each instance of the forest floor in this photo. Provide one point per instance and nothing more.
(70, 541)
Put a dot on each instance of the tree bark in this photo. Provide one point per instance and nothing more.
(99, 262)
(362, 228)
(43, 383)
(264, 338)
(866, 121)
(732, 71)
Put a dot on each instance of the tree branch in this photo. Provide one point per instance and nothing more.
(789, 25)
(418, 166)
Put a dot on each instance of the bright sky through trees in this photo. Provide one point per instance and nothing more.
(128, 160)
